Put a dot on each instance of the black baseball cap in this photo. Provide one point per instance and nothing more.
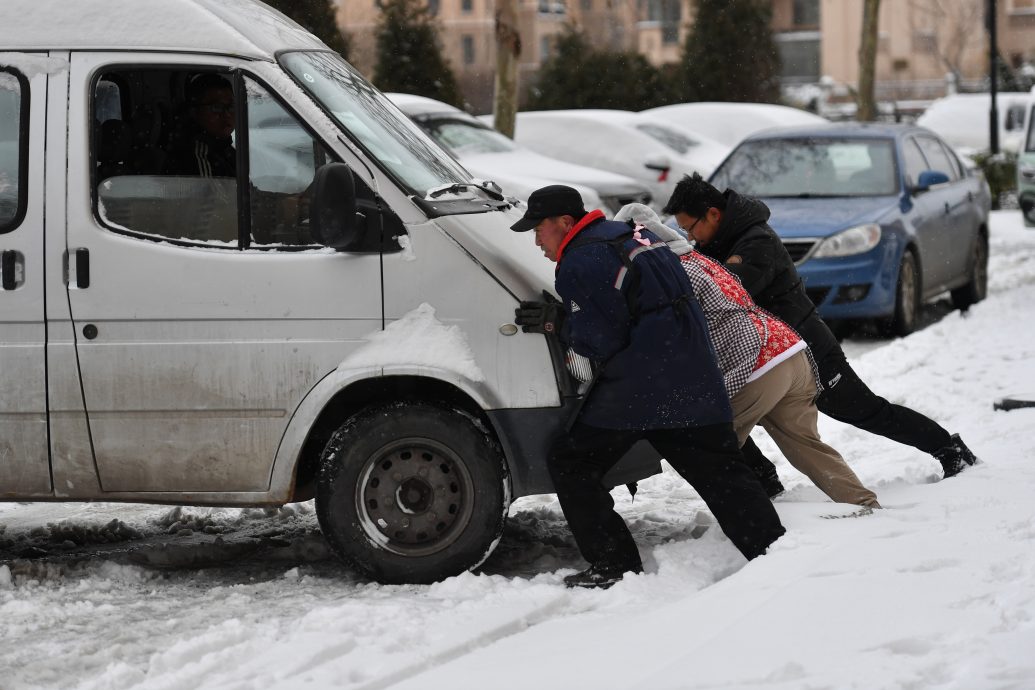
(550, 201)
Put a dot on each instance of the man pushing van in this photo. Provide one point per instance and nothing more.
(623, 301)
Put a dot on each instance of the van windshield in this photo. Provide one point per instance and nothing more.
(371, 120)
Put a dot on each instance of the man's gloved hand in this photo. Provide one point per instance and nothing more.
(540, 317)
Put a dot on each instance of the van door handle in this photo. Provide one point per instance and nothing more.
(12, 269)
(80, 264)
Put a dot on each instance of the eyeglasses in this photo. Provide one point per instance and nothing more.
(216, 108)
(689, 231)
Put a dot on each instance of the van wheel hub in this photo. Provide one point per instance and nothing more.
(415, 497)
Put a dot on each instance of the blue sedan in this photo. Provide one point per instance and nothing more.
(878, 218)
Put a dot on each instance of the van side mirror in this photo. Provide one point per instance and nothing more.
(928, 179)
(332, 216)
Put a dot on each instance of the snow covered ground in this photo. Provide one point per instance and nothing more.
(935, 591)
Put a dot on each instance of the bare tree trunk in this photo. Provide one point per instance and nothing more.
(867, 106)
(508, 49)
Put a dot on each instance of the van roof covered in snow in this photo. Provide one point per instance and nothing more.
(235, 27)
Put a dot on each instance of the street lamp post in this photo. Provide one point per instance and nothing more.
(993, 76)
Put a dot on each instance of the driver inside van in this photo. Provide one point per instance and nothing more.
(208, 148)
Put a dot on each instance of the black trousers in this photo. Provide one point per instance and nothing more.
(847, 399)
(707, 457)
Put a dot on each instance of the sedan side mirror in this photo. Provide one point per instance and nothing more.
(332, 216)
(928, 179)
(659, 164)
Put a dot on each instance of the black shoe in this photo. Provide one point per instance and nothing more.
(599, 577)
(955, 457)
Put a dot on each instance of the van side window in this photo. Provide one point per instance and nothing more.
(168, 165)
(282, 161)
(14, 96)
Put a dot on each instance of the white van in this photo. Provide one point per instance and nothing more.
(327, 311)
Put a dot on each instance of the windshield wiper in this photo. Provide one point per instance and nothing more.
(461, 186)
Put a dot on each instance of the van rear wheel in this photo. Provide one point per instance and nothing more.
(412, 493)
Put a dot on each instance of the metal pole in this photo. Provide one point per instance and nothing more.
(993, 75)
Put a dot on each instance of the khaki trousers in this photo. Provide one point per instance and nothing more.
(782, 402)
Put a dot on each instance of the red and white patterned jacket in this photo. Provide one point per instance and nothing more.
(748, 340)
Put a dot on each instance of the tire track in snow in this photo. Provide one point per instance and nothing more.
(513, 627)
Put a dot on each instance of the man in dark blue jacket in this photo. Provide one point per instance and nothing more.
(628, 305)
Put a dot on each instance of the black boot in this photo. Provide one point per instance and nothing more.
(771, 483)
(955, 457)
(599, 577)
(762, 468)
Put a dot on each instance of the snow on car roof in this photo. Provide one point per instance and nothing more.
(420, 105)
(729, 123)
(235, 27)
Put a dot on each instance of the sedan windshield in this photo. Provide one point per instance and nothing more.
(811, 167)
(373, 123)
(464, 138)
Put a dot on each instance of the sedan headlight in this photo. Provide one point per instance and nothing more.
(855, 240)
(1027, 171)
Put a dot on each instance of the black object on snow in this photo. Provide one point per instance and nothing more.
(1013, 403)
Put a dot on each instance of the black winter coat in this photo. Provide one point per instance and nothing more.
(659, 365)
(767, 271)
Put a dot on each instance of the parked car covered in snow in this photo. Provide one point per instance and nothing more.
(962, 120)
(1026, 171)
(328, 313)
(731, 123)
(490, 155)
(641, 147)
(878, 218)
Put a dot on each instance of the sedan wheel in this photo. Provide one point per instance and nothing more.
(907, 298)
(976, 290)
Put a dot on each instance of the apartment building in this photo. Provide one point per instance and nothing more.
(920, 41)
(654, 27)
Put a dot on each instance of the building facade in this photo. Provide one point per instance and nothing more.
(920, 41)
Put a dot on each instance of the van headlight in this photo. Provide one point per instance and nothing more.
(857, 240)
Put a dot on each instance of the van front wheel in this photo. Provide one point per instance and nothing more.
(412, 493)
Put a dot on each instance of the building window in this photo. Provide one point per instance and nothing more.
(544, 48)
(799, 56)
(553, 7)
(466, 5)
(925, 41)
(433, 6)
(1021, 6)
(467, 45)
(668, 13)
(587, 4)
(806, 13)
